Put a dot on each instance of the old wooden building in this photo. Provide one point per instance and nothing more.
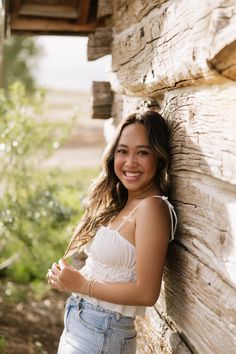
(179, 58)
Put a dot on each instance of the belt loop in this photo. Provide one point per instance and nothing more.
(117, 315)
(79, 302)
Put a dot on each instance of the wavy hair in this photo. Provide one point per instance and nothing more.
(107, 195)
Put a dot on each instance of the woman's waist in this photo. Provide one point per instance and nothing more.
(116, 310)
(97, 270)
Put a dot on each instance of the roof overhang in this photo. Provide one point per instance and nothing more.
(52, 17)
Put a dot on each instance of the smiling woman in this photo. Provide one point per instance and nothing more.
(135, 163)
(125, 233)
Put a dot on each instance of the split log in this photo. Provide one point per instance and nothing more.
(127, 13)
(159, 52)
(104, 8)
(199, 302)
(99, 43)
(156, 336)
(102, 100)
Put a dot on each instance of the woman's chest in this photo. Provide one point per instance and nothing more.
(111, 248)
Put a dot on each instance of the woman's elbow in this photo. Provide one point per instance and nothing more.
(151, 298)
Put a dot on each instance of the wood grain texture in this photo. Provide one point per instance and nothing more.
(99, 43)
(104, 8)
(199, 302)
(155, 335)
(204, 128)
(162, 52)
(127, 13)
(102, 100)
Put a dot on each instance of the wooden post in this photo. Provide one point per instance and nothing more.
(102, 100)
(99, 43)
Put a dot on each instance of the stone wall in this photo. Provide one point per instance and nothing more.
(180, 58)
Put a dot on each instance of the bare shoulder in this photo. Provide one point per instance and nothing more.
(153, 216)
(153, 206)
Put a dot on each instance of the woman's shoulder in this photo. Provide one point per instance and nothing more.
(154, 200)
(153, 206)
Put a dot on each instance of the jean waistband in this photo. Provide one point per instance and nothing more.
(81, 302)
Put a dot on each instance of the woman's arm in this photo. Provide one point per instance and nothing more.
(152, 238)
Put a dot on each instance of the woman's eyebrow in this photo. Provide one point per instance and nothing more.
(138, 146)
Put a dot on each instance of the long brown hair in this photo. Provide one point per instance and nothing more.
(107, 195)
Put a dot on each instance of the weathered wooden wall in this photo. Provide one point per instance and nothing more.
(180, 58)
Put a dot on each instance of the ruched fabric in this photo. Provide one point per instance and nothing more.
(112, 258)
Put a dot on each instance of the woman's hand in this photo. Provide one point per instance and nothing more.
(64, 277)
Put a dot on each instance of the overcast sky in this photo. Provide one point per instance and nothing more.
(64, 64)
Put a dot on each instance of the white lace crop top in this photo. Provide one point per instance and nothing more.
(112, 258)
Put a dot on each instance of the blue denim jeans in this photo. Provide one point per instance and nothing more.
(91, 329)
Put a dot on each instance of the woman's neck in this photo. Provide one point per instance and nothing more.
(144, 194)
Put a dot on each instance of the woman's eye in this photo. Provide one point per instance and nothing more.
(121, 151)
(142, 153)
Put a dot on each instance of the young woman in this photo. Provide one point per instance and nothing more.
(125, 233)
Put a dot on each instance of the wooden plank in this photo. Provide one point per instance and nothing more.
(199, 302)
(84, 11)
(102, 100)
(204, 130)
(99, 43)
(14, 8)
(48, 11)
(207, 222)
(45, 26)
(143, 49)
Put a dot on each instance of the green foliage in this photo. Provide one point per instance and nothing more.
(19, 57)
(2, 344)
(38, 208)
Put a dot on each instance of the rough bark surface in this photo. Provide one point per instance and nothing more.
(99, 43)
(102, 100)
(158, 51)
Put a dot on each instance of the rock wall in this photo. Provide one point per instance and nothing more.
(179, 57)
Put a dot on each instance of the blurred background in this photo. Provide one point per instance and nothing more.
(50, 151)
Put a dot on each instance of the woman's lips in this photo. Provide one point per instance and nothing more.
(132, 176)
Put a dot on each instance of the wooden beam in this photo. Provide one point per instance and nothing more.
(46, 25)
(99, 43)
(84, 11)
(102, 100)
(143, 49)
(53, 11)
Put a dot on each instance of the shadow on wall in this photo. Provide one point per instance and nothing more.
(199, 288)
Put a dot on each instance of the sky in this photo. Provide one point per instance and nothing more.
(64, 66)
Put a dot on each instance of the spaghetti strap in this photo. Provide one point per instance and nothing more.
(173, 216)
(126, 218)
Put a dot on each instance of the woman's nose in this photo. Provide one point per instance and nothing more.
(130, 160)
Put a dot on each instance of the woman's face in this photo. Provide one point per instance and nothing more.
(135, 163)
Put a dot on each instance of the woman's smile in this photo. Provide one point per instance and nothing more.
(135, 163)
(132, 176)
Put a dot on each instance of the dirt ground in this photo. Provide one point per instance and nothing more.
(32, 327)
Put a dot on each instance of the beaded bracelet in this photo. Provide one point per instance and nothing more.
(89, 283)
(90, 288)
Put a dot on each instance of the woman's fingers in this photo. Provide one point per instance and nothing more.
(56, 269)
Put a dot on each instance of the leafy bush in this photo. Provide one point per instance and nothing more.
(38, 208)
